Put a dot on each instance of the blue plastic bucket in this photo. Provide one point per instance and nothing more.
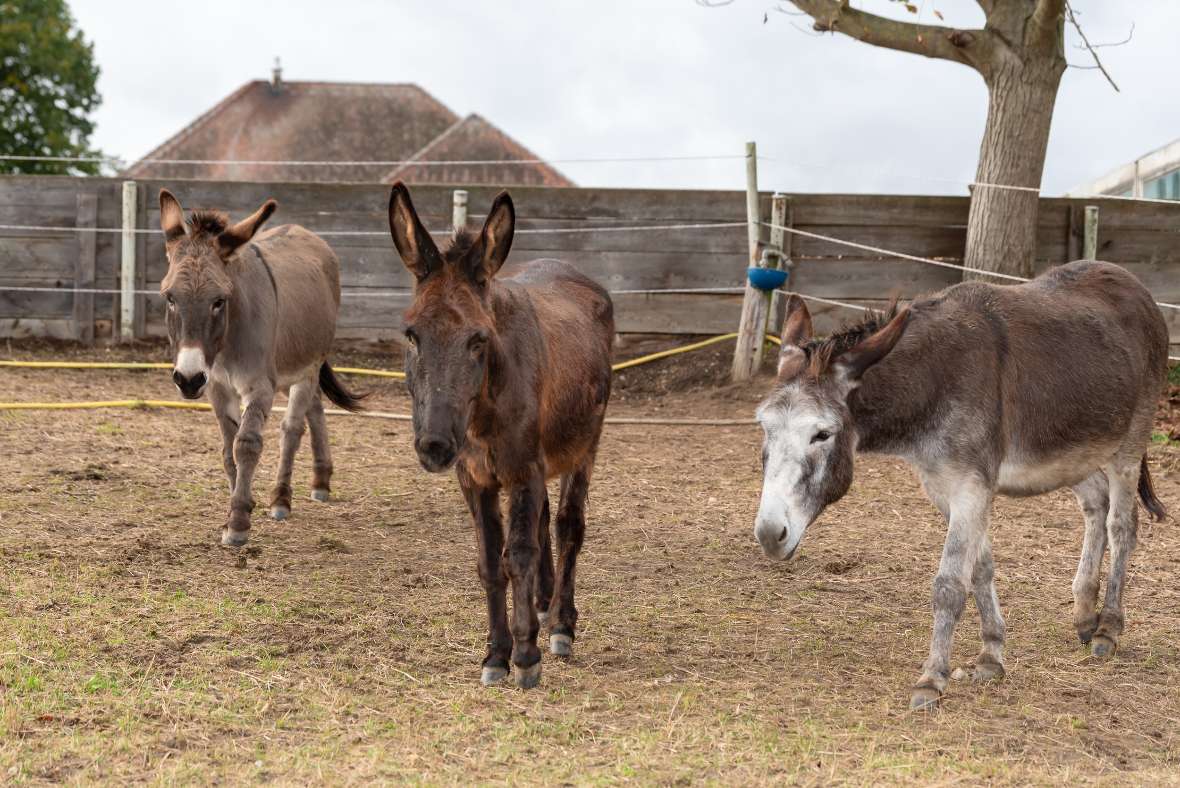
(766, 278)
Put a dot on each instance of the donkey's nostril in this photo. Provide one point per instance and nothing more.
(783, 536)
(198, 380)
(177, 378)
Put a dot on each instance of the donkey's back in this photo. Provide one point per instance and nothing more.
(1044, 381)
(307, 281)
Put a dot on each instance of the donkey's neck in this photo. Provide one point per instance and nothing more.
(898, 400)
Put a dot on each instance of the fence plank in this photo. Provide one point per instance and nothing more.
(84, 268)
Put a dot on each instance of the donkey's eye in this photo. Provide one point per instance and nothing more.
(412, 339)
(477, 342)
(820, 436)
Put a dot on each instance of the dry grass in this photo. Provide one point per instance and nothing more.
(343, 646)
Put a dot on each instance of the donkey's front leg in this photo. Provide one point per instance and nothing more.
(228, 409)
(484, 504)
(523, 553)
(989, 665)
(247, 451)
(969, 502)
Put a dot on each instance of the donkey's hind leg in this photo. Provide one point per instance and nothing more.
(1122, 525)
(544, 596)
(571, 531)
(1093, 496)
(320, 452)
(293, 424)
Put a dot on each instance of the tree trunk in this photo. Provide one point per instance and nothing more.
(1002, 223)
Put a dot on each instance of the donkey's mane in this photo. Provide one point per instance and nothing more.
(820, 352)
(459, 244)
(207, 222)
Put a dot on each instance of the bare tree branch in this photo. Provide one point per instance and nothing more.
(1097, 62)
(1125, 41)
(934, 41)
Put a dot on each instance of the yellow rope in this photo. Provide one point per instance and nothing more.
(85, 364)
(377, 373)
(113, 403)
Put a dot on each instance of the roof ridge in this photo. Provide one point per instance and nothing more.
(523, 152)
(417, 156)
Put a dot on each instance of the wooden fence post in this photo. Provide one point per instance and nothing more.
(459, 209)
(1090, 234)
(127, 273)
(777, 249)
(84, 267)
(755, 303)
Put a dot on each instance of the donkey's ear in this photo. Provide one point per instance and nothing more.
(496, 237)
(171, 216)
(868, 352)
(233, 237)
(796, 332)
(413, 242)
(797, 324)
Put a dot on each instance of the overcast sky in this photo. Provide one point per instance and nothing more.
(628, 78)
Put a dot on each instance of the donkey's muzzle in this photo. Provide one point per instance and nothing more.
(435, 453)
(775, 539)
(190, 388)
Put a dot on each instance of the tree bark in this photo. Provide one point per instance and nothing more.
(1002, 223)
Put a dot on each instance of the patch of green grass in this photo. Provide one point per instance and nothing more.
(1174, 374)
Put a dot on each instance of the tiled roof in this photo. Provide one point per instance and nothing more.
(330, 121)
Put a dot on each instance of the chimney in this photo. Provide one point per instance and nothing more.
(276, 77)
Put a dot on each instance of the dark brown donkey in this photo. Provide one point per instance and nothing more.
(985, 390)
(509, 377)
(248, 315)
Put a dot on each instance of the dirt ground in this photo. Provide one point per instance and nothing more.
(343, 645)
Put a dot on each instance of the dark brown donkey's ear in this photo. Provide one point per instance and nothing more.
(796, 332)
(496, 237)
(412, 240)
(233, 237)
(171, 216)
(868, 352)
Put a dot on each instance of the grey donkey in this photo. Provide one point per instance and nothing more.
(984, 390)
(249, 315)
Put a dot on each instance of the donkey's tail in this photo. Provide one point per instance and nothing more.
(334, 389)
(1147, 493)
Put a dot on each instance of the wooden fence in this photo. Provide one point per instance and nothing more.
(1145, 237)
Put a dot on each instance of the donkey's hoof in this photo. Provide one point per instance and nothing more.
(320, 495)
(1085, 636)
(492, 675)
(987, 671)
(925, 699)
(527, 678)
(1103, 647)
(232, 538)
(561, 644)
(280, 512)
